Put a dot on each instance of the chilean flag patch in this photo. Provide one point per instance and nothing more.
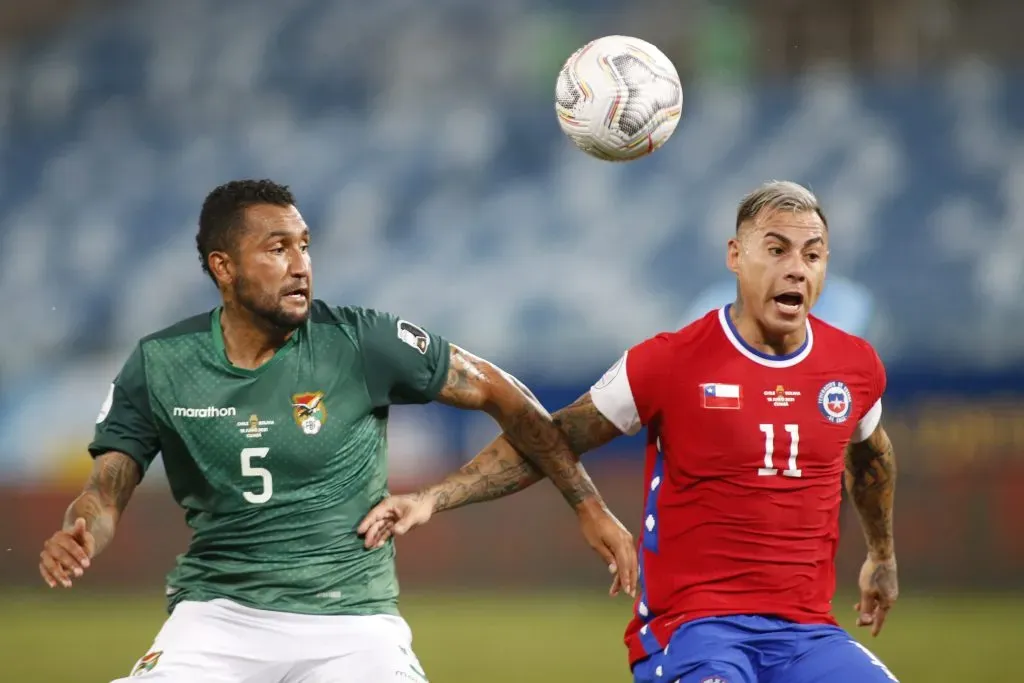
(714, 395)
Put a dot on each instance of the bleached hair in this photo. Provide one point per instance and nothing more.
(778, 195)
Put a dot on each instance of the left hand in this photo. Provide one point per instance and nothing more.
(395, 516)
(613, 542)
(879, 589)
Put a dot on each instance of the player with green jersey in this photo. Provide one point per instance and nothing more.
(271, 414)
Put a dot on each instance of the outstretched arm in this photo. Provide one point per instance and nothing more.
(499, 470)
(532, 444)
(91, 519)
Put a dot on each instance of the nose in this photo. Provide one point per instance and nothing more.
(796, 269)
(299, 264)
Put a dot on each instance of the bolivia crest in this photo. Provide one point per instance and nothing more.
(309, 411)
(147, 663)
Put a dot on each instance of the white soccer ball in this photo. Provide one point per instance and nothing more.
(618, 98)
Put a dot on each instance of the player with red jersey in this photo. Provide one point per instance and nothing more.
(753, 415)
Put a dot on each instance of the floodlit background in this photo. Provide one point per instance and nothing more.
(421, 141)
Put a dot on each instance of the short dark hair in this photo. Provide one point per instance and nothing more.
(221, 215)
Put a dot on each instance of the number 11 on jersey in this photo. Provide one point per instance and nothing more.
(769, 469)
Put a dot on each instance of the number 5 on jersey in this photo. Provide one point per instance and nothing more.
(769, 469)
(248, 470)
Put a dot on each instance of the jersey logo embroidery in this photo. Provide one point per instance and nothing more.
(147, 663)
(254, 427)
(714, 395)
(413, 336)
(309, 411)
(835, 402)
(781, 397)
(206, 413)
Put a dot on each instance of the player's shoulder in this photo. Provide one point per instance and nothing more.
(686, 339)
(349, 317)
(841, 344)
(368, 325)
(199, 324)
(704, 327)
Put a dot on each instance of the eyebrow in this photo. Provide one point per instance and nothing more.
(788, 242)
(276, 234)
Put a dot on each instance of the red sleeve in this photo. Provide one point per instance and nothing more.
(871, 414)
(878, 376)
(646, 365)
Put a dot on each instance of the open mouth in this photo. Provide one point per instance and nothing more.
(297, 294)
(789, 302)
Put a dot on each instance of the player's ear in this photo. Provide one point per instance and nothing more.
(732, 255)
(222, 267)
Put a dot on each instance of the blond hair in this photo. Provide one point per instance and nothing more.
(778, 195)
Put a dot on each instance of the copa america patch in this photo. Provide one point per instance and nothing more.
(413, 335)
(835, 402)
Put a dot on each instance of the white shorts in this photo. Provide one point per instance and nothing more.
(223, 642)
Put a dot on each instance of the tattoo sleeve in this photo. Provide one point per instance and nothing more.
(110, 486)
(534, 446)
(499, 470)
(871, 481)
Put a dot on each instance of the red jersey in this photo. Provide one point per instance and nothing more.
(744, 469)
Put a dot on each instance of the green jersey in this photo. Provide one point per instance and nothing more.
(275, 467)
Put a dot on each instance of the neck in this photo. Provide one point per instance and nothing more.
(757, 337)
(249, 341)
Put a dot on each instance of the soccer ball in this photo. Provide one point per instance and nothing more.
(618, 98)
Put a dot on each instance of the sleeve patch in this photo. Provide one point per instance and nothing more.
(610, 374)
(867, 424)
(108, 402)
(613, 398)
(414, 336)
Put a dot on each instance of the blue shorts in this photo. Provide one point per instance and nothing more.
(752, 649)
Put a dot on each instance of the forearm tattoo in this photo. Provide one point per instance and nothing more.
(473, 383)
(106, 494)
(871, 481)
(499, 470)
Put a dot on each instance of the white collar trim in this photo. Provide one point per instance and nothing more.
(760, 358)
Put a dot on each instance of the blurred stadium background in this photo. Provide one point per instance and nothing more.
(421, 141)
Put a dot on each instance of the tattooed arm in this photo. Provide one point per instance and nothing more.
(533, 445)
(528, 429)
(91, 519)
(499, 470)
(871, 480)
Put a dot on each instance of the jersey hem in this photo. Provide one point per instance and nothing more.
(664, 631)
(388, 608)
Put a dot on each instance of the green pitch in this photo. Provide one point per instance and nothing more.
(58, 637)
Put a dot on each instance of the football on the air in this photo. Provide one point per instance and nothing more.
(618, 98)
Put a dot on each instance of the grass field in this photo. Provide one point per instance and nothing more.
(60, 637)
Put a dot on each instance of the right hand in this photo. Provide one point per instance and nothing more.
(67, 553)
(613, 542)
(395, 516)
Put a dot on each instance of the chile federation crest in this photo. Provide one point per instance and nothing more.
(835, 402)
